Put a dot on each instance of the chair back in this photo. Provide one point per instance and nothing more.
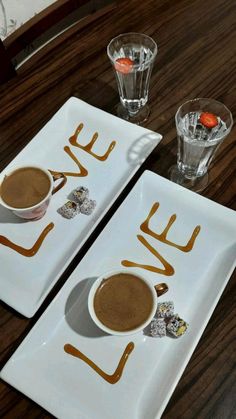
(25, 41)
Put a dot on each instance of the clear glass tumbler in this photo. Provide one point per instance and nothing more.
(132, 56)
(202, 124)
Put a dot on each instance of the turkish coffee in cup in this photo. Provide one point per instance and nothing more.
(27, 191)
(122, 302)
(25, 187)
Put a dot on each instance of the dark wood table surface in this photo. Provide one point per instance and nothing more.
(197, 50)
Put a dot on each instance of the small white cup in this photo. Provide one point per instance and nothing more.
(93, 315)
(38, 210)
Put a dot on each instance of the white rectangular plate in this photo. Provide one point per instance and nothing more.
(69, 388)
(24, 281)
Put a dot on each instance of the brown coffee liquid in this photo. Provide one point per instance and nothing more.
(25, 187)
(123, 302)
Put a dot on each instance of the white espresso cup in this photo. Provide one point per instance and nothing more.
(37, 210)
(91, 299)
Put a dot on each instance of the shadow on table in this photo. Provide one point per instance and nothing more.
(76, 311)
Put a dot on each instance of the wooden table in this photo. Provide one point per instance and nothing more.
(197, 49)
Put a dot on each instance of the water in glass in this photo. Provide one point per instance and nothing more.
(197, 144)
(133, 86)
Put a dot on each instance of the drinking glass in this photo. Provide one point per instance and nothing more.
(132, 56)
(201, 124)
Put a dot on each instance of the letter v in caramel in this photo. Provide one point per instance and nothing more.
(82, 170)
(167, 268)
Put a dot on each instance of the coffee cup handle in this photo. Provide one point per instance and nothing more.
(57, 176)
(161, 288)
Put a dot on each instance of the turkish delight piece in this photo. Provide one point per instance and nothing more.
(176, 326)
(158, 328)
(69, 210)
(87, 206)
(80, 194)
(165, 309)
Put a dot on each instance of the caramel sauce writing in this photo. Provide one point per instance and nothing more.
(163, 236)
(23, 251)
(57, 176)
(82, 170)
(167, 270)
(110, 378)
(88, 147)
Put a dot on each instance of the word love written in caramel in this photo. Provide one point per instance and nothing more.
(110, 378)
(82, 172)
(32, 250)
(167, 269)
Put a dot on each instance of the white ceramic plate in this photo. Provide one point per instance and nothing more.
(66, 386)
(24, 281)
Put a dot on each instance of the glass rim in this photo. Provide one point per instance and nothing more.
(133, 33)
(209, 100)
